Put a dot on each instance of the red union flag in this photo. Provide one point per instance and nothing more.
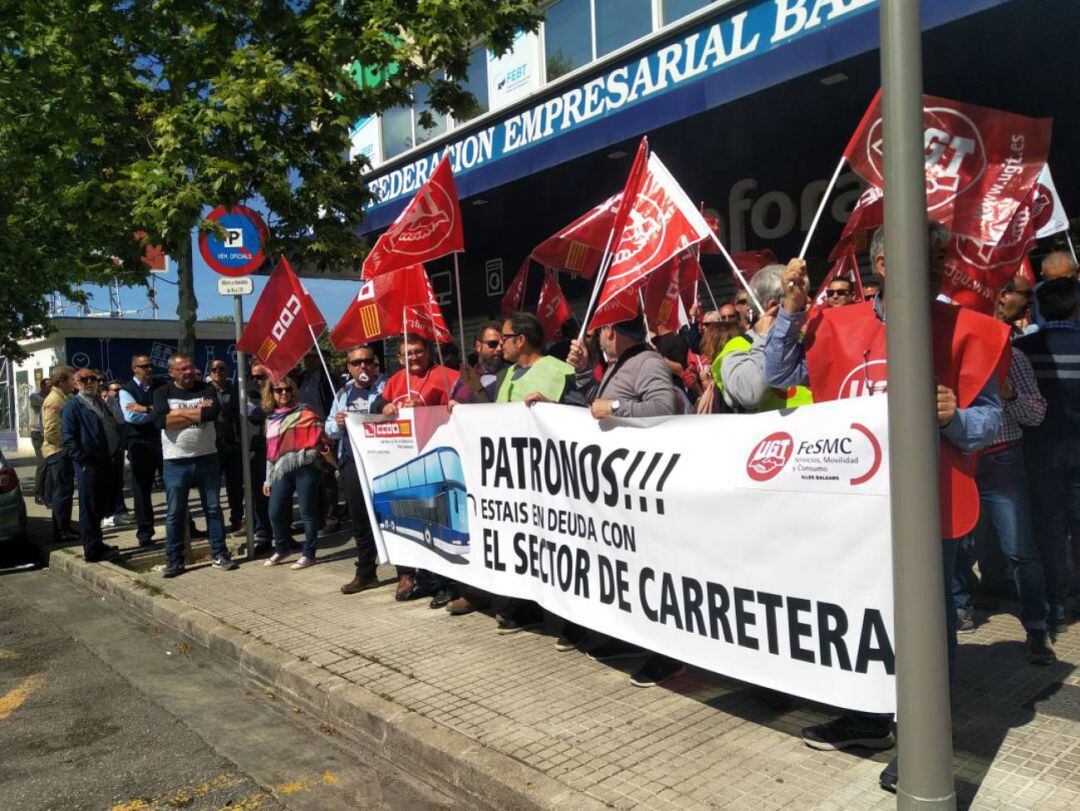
(387, 305)
(980, 163)
(552, 308)
(660, 223)
(666, 287)
(281, 326)
(579, 247)
(428, 227)
(868, 214)
(514, 297)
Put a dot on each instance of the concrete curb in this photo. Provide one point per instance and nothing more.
(424, 746)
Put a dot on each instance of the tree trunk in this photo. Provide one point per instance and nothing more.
(186, 303)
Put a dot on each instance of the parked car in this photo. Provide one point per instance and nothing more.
(12, 505)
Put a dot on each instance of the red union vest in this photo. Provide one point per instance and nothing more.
(846, 357)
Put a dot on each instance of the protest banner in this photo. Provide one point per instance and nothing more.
(714, 540)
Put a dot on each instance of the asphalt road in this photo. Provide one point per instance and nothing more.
(99, 711)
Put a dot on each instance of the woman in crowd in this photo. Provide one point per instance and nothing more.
(295, 444)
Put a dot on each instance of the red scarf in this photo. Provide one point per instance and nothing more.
(845, 355)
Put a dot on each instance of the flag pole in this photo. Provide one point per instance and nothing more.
(442, 366)
(821, 206)
(601, 276)
(736, 271)
(460, 317)
(405, 353)
(326, 369)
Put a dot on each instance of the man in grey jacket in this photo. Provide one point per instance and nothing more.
(637, 381)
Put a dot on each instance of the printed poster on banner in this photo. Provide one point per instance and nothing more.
(515, 74)
(714, 540)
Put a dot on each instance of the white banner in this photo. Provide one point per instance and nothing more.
(756, 546)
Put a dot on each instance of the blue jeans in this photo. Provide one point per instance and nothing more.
(180, 475)
(305, 482)
(61, 487)
(1003, 497)
(1054, 476)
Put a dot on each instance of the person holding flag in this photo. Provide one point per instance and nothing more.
(364, 387)
(844, 355)
(420, 383)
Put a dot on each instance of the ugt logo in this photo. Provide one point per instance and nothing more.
(288, 315)
(427, 223)
(769, 456)
(955, 154)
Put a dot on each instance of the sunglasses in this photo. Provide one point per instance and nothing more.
(836, 293)
(258, 377)
(281, 389)
(506, 336)
(144, 366)
(740, 302)
(359, 361)
(495, 343)
(218, 369)
(87, 379)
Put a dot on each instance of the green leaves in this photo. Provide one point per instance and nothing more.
(118, 117)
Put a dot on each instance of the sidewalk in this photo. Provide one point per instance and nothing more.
(512, 719)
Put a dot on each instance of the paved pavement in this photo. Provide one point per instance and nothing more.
(99, 711)
(699, 741)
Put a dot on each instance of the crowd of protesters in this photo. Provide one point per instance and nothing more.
(1022, 428)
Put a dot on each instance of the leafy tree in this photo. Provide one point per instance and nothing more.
(127, 117)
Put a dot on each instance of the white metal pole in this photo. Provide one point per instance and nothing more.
(460, 317)
(821, 207)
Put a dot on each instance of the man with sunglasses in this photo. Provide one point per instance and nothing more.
(228, 443)
(365, 385)
(185, 412)
(839, 293)
(143, 443)
(91, 439)
(741, 303)
(531, 376)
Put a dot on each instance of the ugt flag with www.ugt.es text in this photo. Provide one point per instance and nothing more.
(980, 163)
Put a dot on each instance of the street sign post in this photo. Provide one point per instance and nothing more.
(234, 257)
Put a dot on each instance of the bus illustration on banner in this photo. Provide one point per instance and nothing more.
(425, 500)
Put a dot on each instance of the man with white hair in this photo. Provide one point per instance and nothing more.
(739, 368)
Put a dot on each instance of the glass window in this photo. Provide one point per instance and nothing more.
(620, 22)
(451, 465)
(420, 95)
(476, 82)
(677, 9)
(567, 37)
(397, 133)
(433, 473)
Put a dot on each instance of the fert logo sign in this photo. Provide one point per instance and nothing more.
(240, 252)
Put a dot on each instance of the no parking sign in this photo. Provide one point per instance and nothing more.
(241, 251)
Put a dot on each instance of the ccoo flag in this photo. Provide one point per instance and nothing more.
(283, 324)
(514, 298)
(388, 305)
(660, 222)
(552, 309)
(980, 163)
(428, 227)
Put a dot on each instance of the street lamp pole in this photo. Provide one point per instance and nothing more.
(924, 722)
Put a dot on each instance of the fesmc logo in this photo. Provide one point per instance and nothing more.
(821, 458)
(374, 430)
(955, 155)
(427, 222)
